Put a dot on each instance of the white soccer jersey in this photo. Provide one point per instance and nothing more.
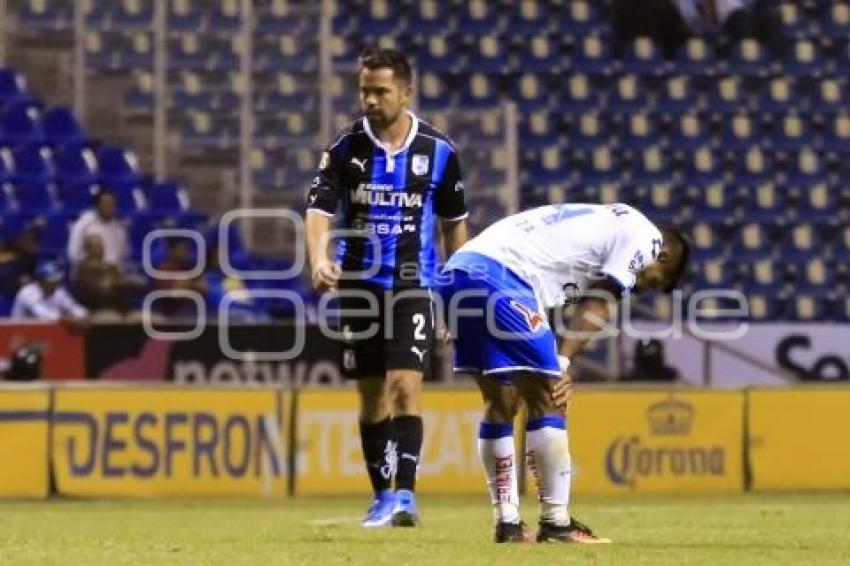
(558, 248)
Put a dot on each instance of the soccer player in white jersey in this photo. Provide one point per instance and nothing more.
(496, 289)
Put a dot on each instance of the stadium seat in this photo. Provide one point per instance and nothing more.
(34, 163)
(167, 197)
(793, 22)
(702, 166)
(643, 58)
(804, 60)
(793, 133)
(22, 123)
(651, 166)
(530, 93)
(628, 96)
(537, 130)
(54, 15)
(479, 92)
(34, 196)
(829, 97)
(61, 127)
(187, 51)
(579, 18)
(778, 96)
(589, 131)
(539, 53)
(378, 19)
(428, 18)
(601, 166)
(478, 17)
(806, 168)
(74, 198)
(593, 56)
(727, 96)
(838, 134)
(434, 92)
(133, 13)
(117, 166)
(489, 55)
(282, 16)
(749, 59)
(835, 21)
(139, 96)
(550, 168)
(55, 232)
(578, 95)
(225, 16)
(528, 18)
(439, 55)
(740, 133)
(820, 204)
(639, 132)
(695, 57)
(753, 166)
(184, 15)
(676, 96)
(715, 203)
(688, 132)
(751, 244)
(800, 243)
(13, 85)
(286, 52)
(76, 165)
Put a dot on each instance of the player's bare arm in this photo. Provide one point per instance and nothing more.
(325, 273)
(454, 234)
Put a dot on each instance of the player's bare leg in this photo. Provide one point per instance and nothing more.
(405, 389)
(547, 449)
(379, 448)
(498, 455)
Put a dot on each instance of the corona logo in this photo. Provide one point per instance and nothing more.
(670, 417)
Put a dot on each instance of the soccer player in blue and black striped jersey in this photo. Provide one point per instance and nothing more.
(397, 181)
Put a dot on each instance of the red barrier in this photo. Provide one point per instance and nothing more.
(62, 349)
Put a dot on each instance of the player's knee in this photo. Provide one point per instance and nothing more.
(405, 393)
(375, 403)
(499, 411)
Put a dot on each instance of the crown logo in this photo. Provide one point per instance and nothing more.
(670, 417)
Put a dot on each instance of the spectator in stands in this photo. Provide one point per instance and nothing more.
(102, 220)
(100, 285)
(179, 257)
(46, 299)
(219, 284)
(649, 364)
(671, 22)
(18, 253)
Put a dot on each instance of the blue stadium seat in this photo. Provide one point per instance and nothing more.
(778, 95)
(34, 195)
(794, 24)
(478, 17)
(139, 96)
(76, 165)
(740, 132)
(602, 165)
(800, 243)
(593, 56)
(380, 18)
(530, 92)
(688, 132)
(551, 167)
(578, 96)
(429, 18)
(677, 96)
(225, 16)
(283, 16)
(184, 15)
(479, 91)
(61, 127)
(838, 134)
(34, 163)
(766, 202)
(540, 53)
(588, 131)
(714, 203)
(50, 15)
(702, 166)
(190, 51)
(752, 244)
(13, 85)
(727, 96)
(440, 55)
(806, 168)
(167, 197)
(749, 58)
(835, 22)
(287, 52)
(21, 123)
(639, 131)
(537, 130)
(434, 92)
(75, 198)
(55, 232)
(651, 166)
(133, 13)
(829, 97)
(792, 133)
(489, 55)
(528, 18)
(753, 166)
(117, 166)
(628, 96)
(579, 18)
(820, 205)
(696, 57)
(804, 60)
(643, 57)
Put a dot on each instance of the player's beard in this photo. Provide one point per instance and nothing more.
(380, 120)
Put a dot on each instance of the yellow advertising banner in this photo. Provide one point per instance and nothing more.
(24, 434)
(656, 441)
(169, 442)
(329, 457)
(798, 438)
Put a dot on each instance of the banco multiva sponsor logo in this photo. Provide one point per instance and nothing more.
(630, 458)
(376, 194)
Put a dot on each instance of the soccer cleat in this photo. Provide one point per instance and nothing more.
(380, 513)
(513, 532)
(574, 532)
(405, 513)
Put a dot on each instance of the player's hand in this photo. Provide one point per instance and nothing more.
(562, 391)
(325, 276)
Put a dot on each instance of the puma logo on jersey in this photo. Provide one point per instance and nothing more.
(360, 164)
(419, 353)
(534, 319)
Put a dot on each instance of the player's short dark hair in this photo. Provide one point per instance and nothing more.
(374, 58)
(681, 247)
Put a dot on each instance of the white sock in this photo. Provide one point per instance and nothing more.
(548, 452)
(496, 448)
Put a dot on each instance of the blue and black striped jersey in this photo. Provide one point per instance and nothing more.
(394, 196)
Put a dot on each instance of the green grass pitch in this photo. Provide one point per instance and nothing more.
(747, 529)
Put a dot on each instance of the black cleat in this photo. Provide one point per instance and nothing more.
(513, 532)
(575, 532)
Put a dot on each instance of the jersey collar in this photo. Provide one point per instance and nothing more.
(414, 129)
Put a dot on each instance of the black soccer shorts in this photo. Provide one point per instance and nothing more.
(384, 330)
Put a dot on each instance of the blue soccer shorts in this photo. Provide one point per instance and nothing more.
(495, 319)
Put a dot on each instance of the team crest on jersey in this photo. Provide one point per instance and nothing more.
(534, 319)
(420, 163)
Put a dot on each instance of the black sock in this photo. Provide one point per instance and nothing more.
(408, 435)
(379, 451)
